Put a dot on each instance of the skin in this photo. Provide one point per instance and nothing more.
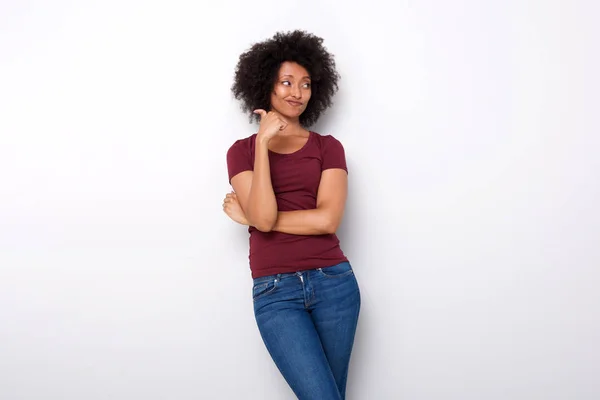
(252, 202)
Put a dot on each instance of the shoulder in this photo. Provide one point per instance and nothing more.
(244, 145)
(332, 153)
(246, 142)
(327, 141)
(239, 156)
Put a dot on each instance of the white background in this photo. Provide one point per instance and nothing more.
(473, 222)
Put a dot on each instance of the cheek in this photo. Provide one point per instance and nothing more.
(307, 96)
(280, 91)
(276, 96)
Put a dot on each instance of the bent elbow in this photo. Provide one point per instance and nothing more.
(262, 223)
(330, 230)
(264, 227)
(330, 226)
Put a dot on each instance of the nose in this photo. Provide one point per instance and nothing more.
(296, 92)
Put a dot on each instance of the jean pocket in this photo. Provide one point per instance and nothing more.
(264, 288)
(337, 271)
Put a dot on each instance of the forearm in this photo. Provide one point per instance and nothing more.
(262, 206)
(304, 222)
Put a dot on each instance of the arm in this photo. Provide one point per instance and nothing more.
(326, 218)
(255, 192)
(254, 188)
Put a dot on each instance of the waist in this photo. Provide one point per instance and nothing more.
(275, 252)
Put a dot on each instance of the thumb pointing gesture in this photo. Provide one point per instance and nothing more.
(260, 112)
(271, 123)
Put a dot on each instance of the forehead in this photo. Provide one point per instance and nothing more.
(293, 69)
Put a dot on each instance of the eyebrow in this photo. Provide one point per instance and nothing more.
(304, 77)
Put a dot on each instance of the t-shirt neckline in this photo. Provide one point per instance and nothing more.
(310, 135)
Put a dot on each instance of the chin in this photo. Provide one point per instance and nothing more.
(290, 115)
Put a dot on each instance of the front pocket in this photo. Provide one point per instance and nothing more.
(337, 271)
(264, 288)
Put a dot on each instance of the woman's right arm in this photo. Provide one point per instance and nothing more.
(254, 188)
(255, 191)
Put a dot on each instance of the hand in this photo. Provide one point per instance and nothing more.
(271, 123)
(232, 208)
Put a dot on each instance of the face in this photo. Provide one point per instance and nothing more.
(291, 91)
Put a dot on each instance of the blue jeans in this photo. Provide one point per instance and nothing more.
(307, 321)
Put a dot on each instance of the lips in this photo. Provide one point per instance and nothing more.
(294, 103)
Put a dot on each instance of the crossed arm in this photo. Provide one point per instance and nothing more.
(324, 219)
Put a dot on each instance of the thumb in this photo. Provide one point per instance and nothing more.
(260, 112)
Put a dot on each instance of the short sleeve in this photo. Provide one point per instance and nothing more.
(239, 158)
(333, 154)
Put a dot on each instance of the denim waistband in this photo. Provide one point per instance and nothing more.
(275, 277)
(287, 274)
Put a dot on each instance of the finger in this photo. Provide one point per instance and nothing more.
(260, 112)
(283, 122)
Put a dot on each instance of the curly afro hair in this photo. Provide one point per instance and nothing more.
(257, 69)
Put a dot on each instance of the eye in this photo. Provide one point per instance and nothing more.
(286, 83)
(307, 85)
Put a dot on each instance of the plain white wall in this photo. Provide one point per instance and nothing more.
(471, 131)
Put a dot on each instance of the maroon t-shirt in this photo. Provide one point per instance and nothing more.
(295, 178)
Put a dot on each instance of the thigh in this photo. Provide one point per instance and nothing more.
(292, 340)
(335, 315)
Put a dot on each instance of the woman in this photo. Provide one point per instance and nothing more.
(290, 187)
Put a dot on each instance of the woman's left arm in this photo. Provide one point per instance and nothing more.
(326, 218)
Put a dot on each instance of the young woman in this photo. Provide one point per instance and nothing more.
(290, 187)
